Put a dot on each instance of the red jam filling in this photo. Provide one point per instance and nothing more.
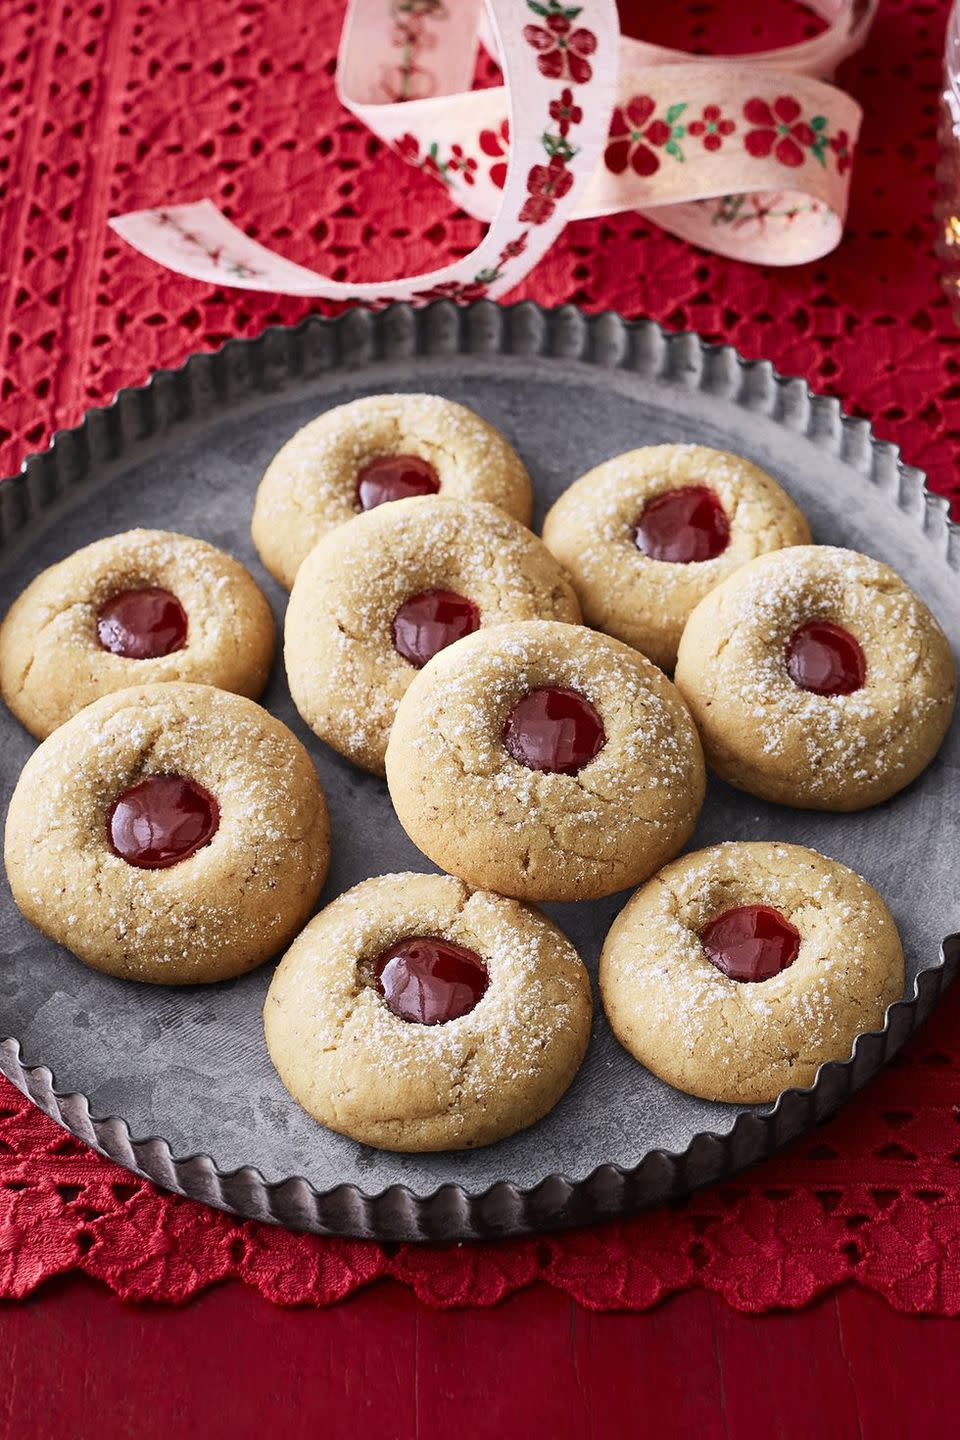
(554, 729)
(752, 942)
(395, 477)
(683, 526)
(826, 659)
(161, 821)
(430, 622)
(429, 981)
(142, 624)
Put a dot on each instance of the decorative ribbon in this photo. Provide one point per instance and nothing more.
(746, 156)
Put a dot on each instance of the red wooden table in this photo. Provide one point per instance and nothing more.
(110, 104)
(78, 1364)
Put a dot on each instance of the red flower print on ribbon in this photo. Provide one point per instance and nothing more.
(713, 127)
(751, 212)
(782, 131)
(408, 80)
(463, 165)
(547, 184)
(633, 131)
(563, 49)
(497, 143)
(840, 145)
(564, 112)
(409, 147)
(214, 253)
(514, 247)
(456, 163)
(465, 291)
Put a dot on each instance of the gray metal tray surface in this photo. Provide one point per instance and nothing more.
(176, 1084)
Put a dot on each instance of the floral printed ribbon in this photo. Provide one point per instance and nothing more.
(748, 157)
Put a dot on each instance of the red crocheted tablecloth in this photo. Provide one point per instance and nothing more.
(110, 105)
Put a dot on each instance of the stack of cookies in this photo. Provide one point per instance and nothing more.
(514, 692)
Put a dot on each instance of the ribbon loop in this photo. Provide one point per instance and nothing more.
(748, 158)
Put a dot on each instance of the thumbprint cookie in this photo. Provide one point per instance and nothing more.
(817, 678)
(372, 451)
(172, 833)
(414, 1013)
(739, 970)
(376, 599)
(132, 609)
(646, 535)
(545, 761)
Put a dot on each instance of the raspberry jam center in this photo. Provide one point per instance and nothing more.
(826, 659)
(161, 821)
(751, 942)
(142, 624)
(430, 622)
(395, 477)
(430, 981)
(683, 526)
(554, 729)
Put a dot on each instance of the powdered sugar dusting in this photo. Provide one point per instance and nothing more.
(644, 601)
(238, 894)
(733, 670)
(537, 1000)
(685, 1018)
(345, 673)
(479, 813)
